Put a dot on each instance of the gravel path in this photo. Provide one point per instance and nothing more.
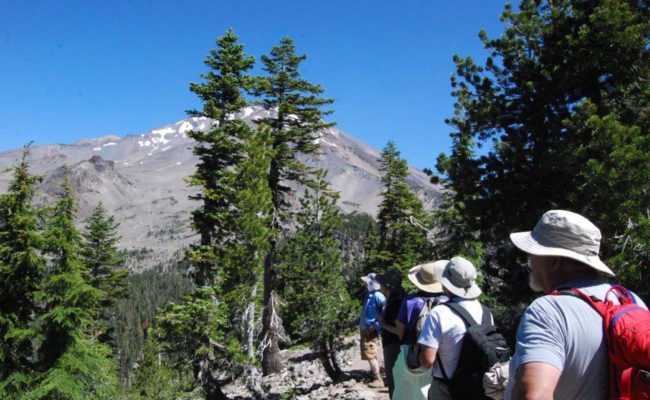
(304, 378)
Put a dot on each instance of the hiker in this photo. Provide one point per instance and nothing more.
(444, 329)
(369, 327)
(560, 351)
(411, 381)
(391, 287)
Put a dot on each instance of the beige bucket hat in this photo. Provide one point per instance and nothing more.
(426, 277)
(459, 277)
(564, 233)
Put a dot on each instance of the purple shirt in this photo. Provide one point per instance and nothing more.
(409, 312)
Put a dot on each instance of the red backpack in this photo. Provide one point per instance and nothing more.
(626, 328)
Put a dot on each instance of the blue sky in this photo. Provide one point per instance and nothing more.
(79, 69)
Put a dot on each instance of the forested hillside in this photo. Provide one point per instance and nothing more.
(556, 116)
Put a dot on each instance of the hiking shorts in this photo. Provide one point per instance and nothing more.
(369, 345)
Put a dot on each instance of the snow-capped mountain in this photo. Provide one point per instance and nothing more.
(140, 179)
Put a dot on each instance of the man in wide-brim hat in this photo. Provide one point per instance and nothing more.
(560, 346)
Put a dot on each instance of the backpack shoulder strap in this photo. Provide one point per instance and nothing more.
(623, 295)
(487, 316)
(462, 313)
(595, 303)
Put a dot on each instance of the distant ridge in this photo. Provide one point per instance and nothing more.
(140, 179)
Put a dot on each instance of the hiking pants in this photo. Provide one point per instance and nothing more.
(391, 352)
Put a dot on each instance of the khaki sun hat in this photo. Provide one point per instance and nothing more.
(426, 277)
(459, 277)
(563, 233)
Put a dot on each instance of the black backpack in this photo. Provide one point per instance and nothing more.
(483, 346)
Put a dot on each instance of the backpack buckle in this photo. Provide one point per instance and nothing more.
(644, 376)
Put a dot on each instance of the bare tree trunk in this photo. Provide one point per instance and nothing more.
(253, 376)
(271, 352)
(250, 324)
(212, 390)
(211, 386)
(326, 360)
(334, 358)
(254, 382)
(214, 393)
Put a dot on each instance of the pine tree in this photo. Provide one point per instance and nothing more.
(154, 379)
(218, 150)
(244, 262)
(234, 219)
(318, 306)
(357, 235)
(553, 59)
(400, 244)
(561, 105)
(72, 362)
(21, 272)
(295, 117)
(195, 333)
(616, 174)
(101, 258)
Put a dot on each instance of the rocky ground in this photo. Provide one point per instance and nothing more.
(304, 378)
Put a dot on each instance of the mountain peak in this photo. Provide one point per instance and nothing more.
(141, 178)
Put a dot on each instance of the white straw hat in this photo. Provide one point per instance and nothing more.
(426, 277)
(563, 233)
(459, 277)
(371, 282)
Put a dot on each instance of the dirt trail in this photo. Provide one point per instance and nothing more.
(303, 378)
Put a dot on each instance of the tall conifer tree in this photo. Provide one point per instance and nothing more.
(102, 260)
(197, 334)
(562, 103)
(73, 363)
(400, 244)
(311, 272)
(295, 117)
(232, 223)
(21, 273)
(244, 262)
(218, 149)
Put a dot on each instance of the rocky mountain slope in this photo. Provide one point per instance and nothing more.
(140, 179)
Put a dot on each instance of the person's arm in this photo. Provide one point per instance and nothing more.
(400, 329)
(402, 319)
(539, 354)
(390, 328)
(428, 356)
(429, 339)
(535, 381)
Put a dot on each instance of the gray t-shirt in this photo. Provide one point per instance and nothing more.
(565, 332)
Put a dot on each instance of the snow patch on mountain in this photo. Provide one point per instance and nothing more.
(321, 141)
(247, 112)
